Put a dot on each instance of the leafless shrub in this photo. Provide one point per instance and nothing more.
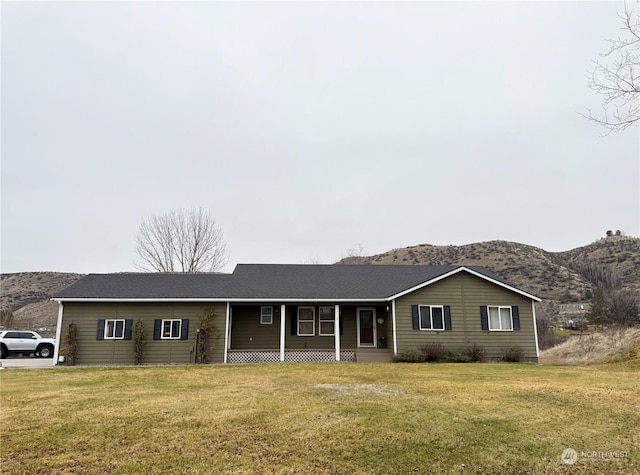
(433, 352)
(477, 353)
(513, 354)
(587, 342)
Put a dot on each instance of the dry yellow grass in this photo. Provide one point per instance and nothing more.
(320, 418)
(611, 344)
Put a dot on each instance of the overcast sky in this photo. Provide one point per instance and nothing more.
(306, 128)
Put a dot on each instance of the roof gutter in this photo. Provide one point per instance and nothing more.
(213, 300)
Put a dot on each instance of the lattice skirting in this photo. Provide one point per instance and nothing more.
(291, 356)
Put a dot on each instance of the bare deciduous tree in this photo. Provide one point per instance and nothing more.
(617, 76)
(181, 241)
(353, 255)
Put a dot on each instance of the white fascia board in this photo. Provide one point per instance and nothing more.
(203, 300)
(470, 271)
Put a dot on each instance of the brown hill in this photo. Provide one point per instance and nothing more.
(556, 277)
(26, 296)
(526, 267)
(614, 259)
(553, 276)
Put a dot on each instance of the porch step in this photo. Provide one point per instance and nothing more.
(373, 356)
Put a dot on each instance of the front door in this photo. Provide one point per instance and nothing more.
(367, 327)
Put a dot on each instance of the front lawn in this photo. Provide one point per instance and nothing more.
(321, 418)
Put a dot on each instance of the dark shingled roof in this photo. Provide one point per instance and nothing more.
(264, 281)
(336, 281)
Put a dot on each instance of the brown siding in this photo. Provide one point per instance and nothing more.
(247, 333)
(93, 351)
(465, 293)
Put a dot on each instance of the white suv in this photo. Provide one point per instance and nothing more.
(26, 342)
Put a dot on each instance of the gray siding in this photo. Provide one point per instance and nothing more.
(465, 293)
(94, 351)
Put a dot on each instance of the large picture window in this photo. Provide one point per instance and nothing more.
(500, 318)
(306, 321)
(114, 329)
(171, 329)
(327, 322)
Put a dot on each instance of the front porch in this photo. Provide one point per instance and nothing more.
(305, 332)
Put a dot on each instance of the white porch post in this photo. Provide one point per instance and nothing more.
(393, 319)
(226, 332)
(283, 318)
(56, 350)
(336, 331)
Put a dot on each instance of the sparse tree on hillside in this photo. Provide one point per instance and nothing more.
(181, 241)
(598, 313)
(313, 260)
(622, 308)
(6, 317)
(353, 255)
(616, 77)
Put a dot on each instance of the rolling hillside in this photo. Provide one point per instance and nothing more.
(27, 294)
(556, 277)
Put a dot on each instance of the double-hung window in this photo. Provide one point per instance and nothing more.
(114, 329)
(266, 315)
(171, 329)
(500, 318)
(431, 317)
(306, 321)
(327, 321)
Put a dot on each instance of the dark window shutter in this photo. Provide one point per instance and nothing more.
(515, 313)
(128, 324)
(157, 327)
(340, 323)
(294, 321)
(484, 317)
(415, 318)
(184, 331)
(447, 318)
(100, 332)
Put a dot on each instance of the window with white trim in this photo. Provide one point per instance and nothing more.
(171, 329)
(266, 315)
(500, 318)
(114, 329)
(431, 317)
(327, 321)
(306, 321)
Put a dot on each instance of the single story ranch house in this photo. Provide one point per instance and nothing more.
(277, 313)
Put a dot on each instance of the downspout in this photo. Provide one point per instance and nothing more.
(56, 349)
(535, 327)
(393, 320)
(226, 332)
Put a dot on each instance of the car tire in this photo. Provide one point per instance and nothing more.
(3, 352)
(45, 351)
